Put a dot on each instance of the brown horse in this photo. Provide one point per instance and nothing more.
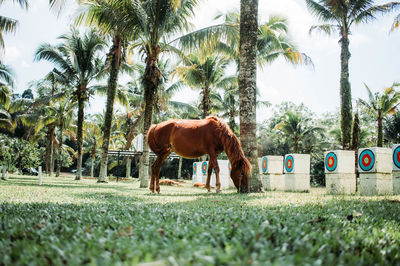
(195, 138)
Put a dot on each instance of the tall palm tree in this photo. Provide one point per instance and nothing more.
(380, 105)
(206, 72)
(158, 21)
(6, 85)
(106, 16)
(79, 61)
(9, 25)
(340, 15)
(247, 88)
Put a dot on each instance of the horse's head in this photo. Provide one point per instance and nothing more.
(240, 175)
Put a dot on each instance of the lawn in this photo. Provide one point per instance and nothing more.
(80, 222)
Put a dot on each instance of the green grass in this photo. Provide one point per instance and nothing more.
(80, 222)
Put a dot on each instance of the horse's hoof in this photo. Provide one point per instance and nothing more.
(218, 191)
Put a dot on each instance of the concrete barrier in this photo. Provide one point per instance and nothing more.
(271, 172)
(396, 168)
(375, 168)
(340, 174)
(297, 172)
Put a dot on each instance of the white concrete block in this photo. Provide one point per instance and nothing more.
(297, 164)
(338, 184)
(376, 184)
(271, 164)
(396, 182)
(197, 175)
(297, 182)
(375, 160)
(273, 181)
(396, 157)
(340, 162)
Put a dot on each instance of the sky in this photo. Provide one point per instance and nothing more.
(375, 56)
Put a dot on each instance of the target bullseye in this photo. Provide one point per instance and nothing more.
(229, 166)
(264, 165)
(396, 157)
(366, 160)
(289, 162)
(204, 167)
(331, 162)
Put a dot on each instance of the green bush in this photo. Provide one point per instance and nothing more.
(18, 154)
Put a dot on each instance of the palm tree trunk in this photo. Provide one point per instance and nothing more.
(60, 149)
(115, 53)
(150, 83)
(49, 150)
(247, 88)
(206, 102)
(92, 164)
(345, 93)
(81, 106)
(380, 132)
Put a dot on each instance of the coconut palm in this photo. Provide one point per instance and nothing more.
(298, 129)
(106, 16)
(79, 61)
(272, 41)
(379, 105)
(247, 88)
(339, 16)
(205, 72)
(6, 85)
(392, 128)
(9, 25)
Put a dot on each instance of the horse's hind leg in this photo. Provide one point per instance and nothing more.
(155, 170)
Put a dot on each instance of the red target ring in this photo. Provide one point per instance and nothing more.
(366, 160)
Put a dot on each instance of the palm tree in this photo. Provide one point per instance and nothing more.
(272, 41)
(380, 105)
(106, 16)
(205, 72)
(157, 21)
(340, 15)
(6, 85)
(392, 128)
(247, 88)
(9, 25)
(298, 129)
(79, 61)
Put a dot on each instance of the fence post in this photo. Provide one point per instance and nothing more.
(40, 175)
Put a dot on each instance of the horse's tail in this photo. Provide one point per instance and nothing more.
(152, 141)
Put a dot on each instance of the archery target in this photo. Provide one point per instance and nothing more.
(396, 157)
(331, 162)
(194, 168)
(204, 167)
(229, 167)
(366, 160)
(264, 165)
(289, 163)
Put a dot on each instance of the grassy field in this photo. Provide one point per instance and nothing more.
(80, 222)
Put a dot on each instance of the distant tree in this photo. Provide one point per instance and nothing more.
(392, 128)
(79, 61)
(339, 16)
(379, 105)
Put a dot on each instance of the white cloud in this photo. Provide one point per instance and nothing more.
(24, 64)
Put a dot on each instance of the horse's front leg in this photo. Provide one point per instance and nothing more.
(214, 164)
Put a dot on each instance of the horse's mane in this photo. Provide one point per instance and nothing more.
(231, 145)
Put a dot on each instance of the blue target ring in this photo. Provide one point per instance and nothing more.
(194, 168)
(396, 157)
(366, 160)
(204, 167)
(289, 163)
(331, 161)
(264, 165)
